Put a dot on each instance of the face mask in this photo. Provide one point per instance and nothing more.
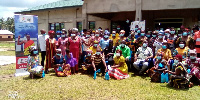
(164, 47)
(166, 34)
(189, 33)
(44, 34)
(98, 53)
(113, 34)
(154, 35)
(142, 34)
(179, 34)
(148, 36)
(184, 33)
(138, 31)
(172, 32)
(118, 28)
(192, 57)
(58, 36)
(92, 34)
(106, 31)
(127, 21)
(160, 36)
(73, 34)
(117, 54)
(176, 61)
(144, 45)
(121, 35)
(192, 31)
(87, 35)
(62, 35)
(122, 45)
(181, 45)
(95, 45)
(106, 36)
(158, 57)
(89, 55)
(99, 29)
(96, 34)
(58, 54)
(35, 52)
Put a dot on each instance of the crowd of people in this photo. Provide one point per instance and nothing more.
(170, 55)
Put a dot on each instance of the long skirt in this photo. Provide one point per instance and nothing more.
(117, 74)
(178, 82)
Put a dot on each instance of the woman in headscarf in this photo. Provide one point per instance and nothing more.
(50, 50)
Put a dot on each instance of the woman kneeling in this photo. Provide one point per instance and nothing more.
(119, 70)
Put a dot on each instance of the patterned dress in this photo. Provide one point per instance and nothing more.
(33, 66)
(74, 48)
(62, 45)
(50, 52)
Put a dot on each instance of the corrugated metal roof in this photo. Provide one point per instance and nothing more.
(6, 32)
(58, 4)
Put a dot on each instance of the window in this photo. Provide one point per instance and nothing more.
(9, 36)
(56, 26)
(92, 25)
(79, 26)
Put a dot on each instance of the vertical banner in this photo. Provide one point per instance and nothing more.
(141, 24)
(26, 35)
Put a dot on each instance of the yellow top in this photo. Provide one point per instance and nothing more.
(94, 49)
(115, 39)
(183, 52)
(166, 53)
(123, 67)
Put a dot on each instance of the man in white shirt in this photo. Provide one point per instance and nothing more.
(42, 42)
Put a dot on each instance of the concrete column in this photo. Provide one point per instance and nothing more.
(84, 16)
(138, 7)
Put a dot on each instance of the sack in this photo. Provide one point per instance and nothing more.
(155, 77)
(164, 77)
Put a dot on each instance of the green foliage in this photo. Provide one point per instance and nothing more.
(7, 24)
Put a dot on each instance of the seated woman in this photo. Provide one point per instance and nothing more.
(61, 69)
(119, 70)
(179, 78)
(181, 50)
(109, 53)
(193, 64)
(160, 66)
(87, 64)
(33, 66)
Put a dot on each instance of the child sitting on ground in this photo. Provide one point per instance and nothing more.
(70, 60)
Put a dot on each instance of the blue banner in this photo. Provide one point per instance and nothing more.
(26, 35)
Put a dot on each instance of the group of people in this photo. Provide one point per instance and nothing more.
(170, 55)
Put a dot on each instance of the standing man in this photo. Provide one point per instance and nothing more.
(42, 43)
(197, 39)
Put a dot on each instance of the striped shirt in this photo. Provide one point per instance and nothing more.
(97, 60)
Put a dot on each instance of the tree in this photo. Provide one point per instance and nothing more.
(7, 24)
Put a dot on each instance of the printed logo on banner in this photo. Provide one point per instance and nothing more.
(21, 62)
(26, 19)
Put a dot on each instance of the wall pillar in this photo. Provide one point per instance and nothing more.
(84, 16)
(138, 7)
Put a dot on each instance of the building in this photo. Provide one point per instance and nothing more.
(111, 13)
(6, 35)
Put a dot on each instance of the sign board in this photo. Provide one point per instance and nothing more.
(141, 24)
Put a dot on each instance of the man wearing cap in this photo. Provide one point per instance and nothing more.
(27, 43)
(42, 44)
(197, 39)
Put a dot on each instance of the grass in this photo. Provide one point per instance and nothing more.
(7, 53)
(7, 44)
(82, 87)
